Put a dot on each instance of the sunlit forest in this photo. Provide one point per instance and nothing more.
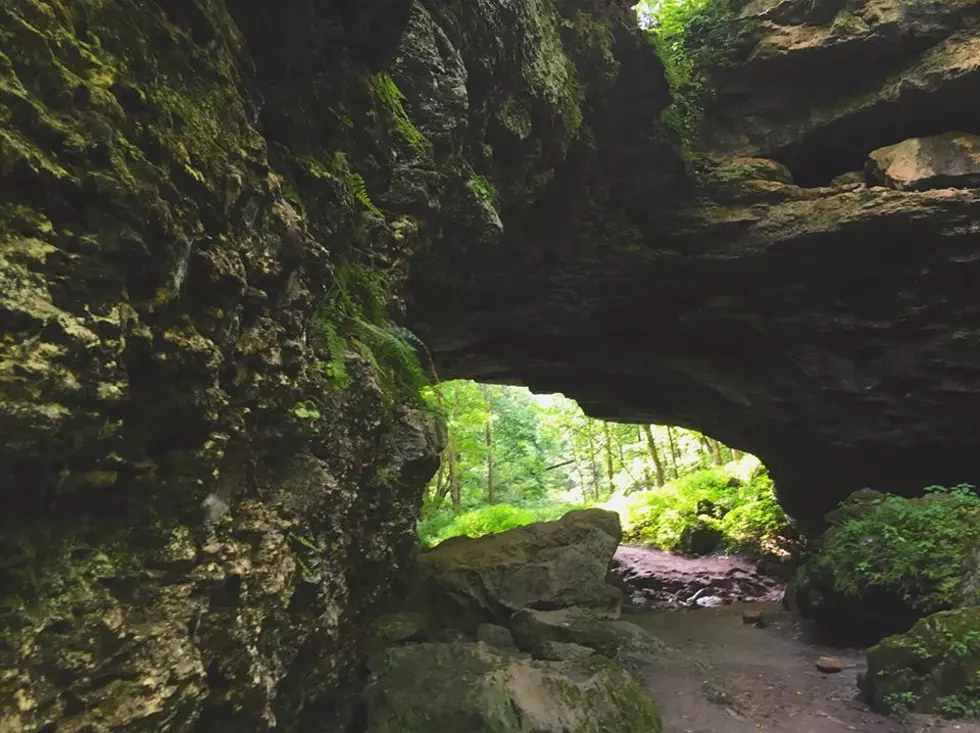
(513, 457)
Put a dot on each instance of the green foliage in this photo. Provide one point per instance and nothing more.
(487, 520)
(306, 411)
(354, 317)
(913, 550)
(392, 100)
(744, 512)
(544, 452)
(689, 36)
(484, 189)
(355, 182)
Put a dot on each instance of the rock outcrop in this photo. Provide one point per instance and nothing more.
(434, 688)
(772, 299)
(211, 458)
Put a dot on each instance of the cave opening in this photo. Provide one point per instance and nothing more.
(513, 457)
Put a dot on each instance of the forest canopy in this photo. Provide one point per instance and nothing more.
(513, 457)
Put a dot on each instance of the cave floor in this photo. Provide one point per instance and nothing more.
(719, 675)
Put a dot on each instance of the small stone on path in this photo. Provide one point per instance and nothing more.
(829, 665)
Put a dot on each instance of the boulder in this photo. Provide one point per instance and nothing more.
(464, 582)
(934, 668)
(437, 688)
(951, 160)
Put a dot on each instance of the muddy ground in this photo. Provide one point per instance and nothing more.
(720, 675)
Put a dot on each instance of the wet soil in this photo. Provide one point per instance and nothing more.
(719, 674)
(662, 580)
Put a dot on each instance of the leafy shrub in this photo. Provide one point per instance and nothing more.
(888, 560)
(487, 520)
(745, 513)
(913, 548)
(688, 37)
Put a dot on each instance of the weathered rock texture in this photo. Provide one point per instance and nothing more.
(206, 493)
(435, 688)
(464, 582)
(830, 329)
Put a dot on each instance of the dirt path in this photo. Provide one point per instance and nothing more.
(719, 675)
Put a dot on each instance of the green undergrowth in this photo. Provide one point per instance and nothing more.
(919, 552)
(354, 317)
(741, 513)
(487, 520)
(690, 37)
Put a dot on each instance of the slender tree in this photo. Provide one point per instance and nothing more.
(673, 450)
(655, 455)
(610, 472)
(716, 452)
(489, 439)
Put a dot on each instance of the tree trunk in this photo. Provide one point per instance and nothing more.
(736, 455)
(655, 455)
(589, 422)
(673, 450)
(454, 461)
(489, 429)
(716, 452)
(441, 486)
(609, 457)
(454, 479)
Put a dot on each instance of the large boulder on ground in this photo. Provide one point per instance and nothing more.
(951, 160)
(887, 561)
(935, 667)
(548, 565)
(442, 688)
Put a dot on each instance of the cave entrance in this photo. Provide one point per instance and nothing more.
(514, 457)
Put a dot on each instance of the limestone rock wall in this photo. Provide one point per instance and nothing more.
(205, 493)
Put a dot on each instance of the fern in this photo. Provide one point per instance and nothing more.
(392, 100)
(355, 182)
(354, 316)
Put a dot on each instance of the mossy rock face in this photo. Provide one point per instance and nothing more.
(887, 561)
(204, 482)
(438, 688)
(934, 668)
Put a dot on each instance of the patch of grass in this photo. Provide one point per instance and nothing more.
(487, 520)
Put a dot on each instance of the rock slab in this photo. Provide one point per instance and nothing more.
(436, 688)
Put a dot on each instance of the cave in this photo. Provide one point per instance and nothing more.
(235, 237)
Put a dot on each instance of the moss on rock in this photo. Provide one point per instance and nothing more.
(934, 668)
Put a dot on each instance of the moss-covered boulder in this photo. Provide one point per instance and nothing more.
(450, 688)
(467, 581)
(934, 668)
(887, 561)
